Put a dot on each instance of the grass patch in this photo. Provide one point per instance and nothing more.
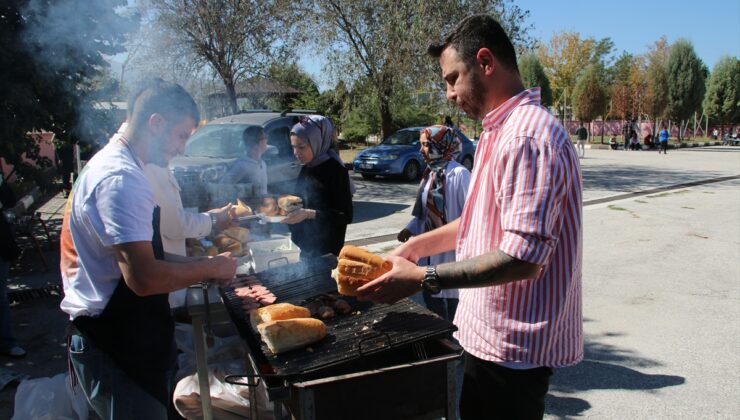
(687, 207)
(617, 208)
(708, 192)
(641, 201)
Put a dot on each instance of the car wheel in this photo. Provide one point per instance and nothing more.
(368, 176)
(411, 171)
(468, 162)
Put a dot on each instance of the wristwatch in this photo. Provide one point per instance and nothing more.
(213, 221)
(431, 280)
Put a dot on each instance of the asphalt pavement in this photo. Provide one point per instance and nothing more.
(661, 285)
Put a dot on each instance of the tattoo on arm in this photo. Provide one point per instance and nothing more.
(485, 270)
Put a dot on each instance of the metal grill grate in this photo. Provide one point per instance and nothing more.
(369, 329)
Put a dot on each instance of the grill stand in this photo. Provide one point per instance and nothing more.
(205, 310)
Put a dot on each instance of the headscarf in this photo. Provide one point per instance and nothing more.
(318, 132)
(444, 146)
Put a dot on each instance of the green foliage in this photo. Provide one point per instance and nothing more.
(384, 42)
(685, 76)
(656, 95)
(589, 95)
(51, 65)
(722, 101)
(533, 74)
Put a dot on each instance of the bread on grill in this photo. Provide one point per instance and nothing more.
(290, 334)
(357, 267)
(276, 312)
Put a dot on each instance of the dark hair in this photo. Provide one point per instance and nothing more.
(252, 136)
(476, 32)
(156, 96)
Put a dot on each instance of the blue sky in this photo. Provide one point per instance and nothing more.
(712, 26)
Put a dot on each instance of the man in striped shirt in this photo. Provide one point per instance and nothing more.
(518, 240)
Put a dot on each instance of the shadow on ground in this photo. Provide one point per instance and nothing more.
(623, 178)
(384, 190)
(366, 210)
(604, 367)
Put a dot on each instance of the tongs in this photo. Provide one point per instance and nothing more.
(256, 216)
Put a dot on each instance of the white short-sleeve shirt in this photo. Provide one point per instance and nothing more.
(112, 203)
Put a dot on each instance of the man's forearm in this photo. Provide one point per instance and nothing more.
(485, 270)
(436, 241)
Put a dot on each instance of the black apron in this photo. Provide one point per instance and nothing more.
(136, 332)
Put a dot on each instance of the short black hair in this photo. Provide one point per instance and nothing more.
(476, 32)
(157, 96)
(252, 136)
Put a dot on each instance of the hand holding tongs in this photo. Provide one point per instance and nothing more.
(256, 216)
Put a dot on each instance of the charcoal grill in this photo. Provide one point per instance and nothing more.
(394, 360)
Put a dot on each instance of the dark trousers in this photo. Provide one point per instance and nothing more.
(491, 391)
(663, 147)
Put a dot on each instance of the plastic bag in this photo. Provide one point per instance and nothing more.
(50, 398)
(226, 357)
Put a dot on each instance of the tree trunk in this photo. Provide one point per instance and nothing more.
(231, 93)
(386, 119)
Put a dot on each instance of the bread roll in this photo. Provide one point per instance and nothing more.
(289, 203)
(235, 248)
(357, 267)
(223, 241)
(211, 251)
(289, 334)
(236, 232)
(269, 207)
(242, 209)
(277, 312)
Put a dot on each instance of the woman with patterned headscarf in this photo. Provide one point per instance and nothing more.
(439, 200)
(324, 185)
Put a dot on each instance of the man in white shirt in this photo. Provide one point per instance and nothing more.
(116, 281)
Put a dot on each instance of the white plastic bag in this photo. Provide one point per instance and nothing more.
(50, 399)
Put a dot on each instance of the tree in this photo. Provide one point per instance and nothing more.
(51, 65)
(622, 89)
(656, 92)
(685, 75)
(533, 74)
(385, 41)
(589, 95)
(722, 101)
(567, 55)
(292, 75)
(237, 38)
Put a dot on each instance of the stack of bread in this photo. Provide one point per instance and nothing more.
(284, 327)
(281, 206)
(232, 239)
(357, 267)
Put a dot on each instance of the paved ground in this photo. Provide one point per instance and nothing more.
(661, 287)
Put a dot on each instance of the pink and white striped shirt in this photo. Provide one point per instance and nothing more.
(525, 200)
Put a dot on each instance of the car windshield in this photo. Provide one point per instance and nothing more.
(217, 140)
(402, 138)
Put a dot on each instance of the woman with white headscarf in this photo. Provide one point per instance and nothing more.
(439, 200)
(324, 185)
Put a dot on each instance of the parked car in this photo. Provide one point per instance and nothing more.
(216, 145)
(399, 155)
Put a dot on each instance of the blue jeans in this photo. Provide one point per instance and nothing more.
(7, 340)
(108, 389)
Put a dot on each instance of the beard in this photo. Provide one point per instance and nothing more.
(476, 99)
